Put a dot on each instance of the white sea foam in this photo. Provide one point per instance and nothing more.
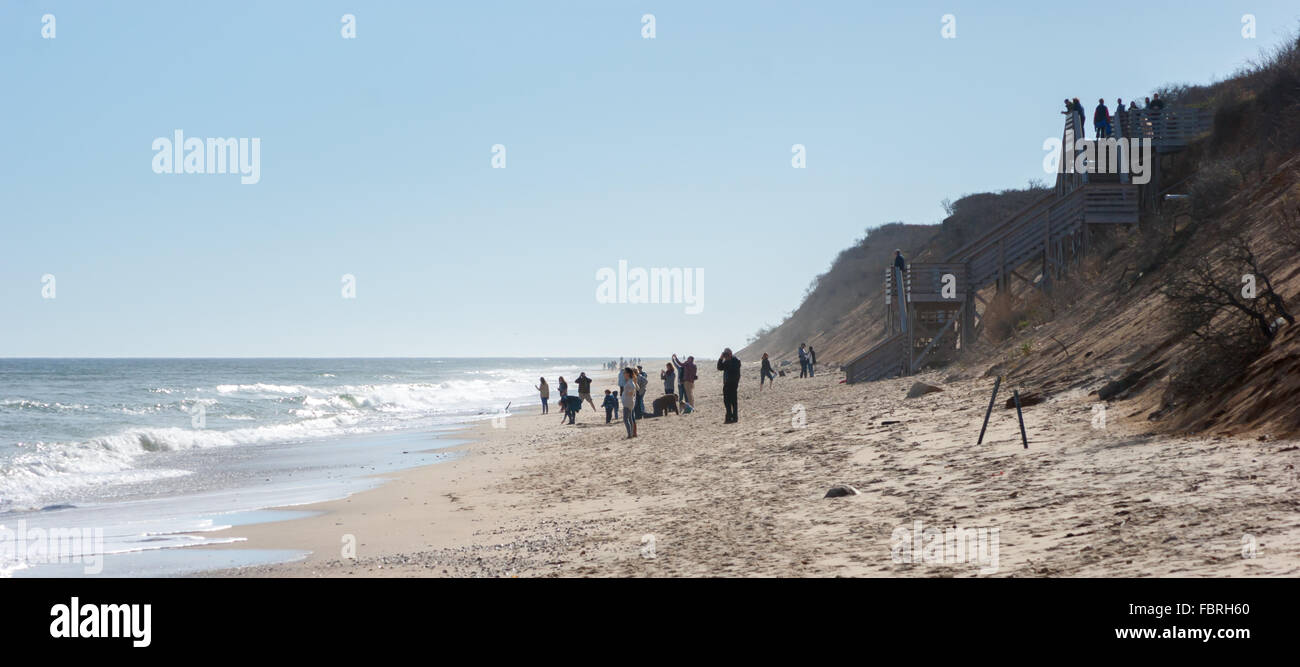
(51, 470)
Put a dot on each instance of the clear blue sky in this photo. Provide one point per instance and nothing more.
(375, 159)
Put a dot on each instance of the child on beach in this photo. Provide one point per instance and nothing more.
(611, 406)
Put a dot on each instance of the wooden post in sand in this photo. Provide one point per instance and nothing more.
(996, 383)
(1023, 438)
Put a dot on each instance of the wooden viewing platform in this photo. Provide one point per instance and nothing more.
(926, 323)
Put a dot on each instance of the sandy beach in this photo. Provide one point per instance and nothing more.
(693, 497)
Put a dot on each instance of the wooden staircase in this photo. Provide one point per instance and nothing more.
(927, 322)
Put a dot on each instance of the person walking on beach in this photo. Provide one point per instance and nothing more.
(642, 381)
(584, 389)
(564, 389)
(688, 373)
(803, 361)
(545, 391)
(729, 364)
(669, 376)
(627, 388)
(812, 362)
(766, 374)
(611, 406)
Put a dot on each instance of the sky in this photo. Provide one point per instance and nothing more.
(377, 159)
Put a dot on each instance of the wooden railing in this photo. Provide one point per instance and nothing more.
(885, 360)
(1008, 244)
(1170, 128)
(1026, 233)
(925, 282)
(1067, 179)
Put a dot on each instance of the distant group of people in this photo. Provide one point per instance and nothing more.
(621, 363)
(807, 366)
(570, 404)
(807, 361)
(1101, 117)
(678, 379)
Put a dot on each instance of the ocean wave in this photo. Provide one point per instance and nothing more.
(442, 397)
(263, 388)
(264, 412)
(52, 468)
(40, 406)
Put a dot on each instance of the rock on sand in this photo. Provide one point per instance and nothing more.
(921, 389)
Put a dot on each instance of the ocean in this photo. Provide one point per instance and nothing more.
(153, 453)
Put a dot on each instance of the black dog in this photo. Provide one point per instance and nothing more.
(665, 404)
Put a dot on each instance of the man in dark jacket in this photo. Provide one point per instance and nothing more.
(1101, 120)
(729, 364)
(584, 389)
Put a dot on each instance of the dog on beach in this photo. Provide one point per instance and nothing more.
(665, 404)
